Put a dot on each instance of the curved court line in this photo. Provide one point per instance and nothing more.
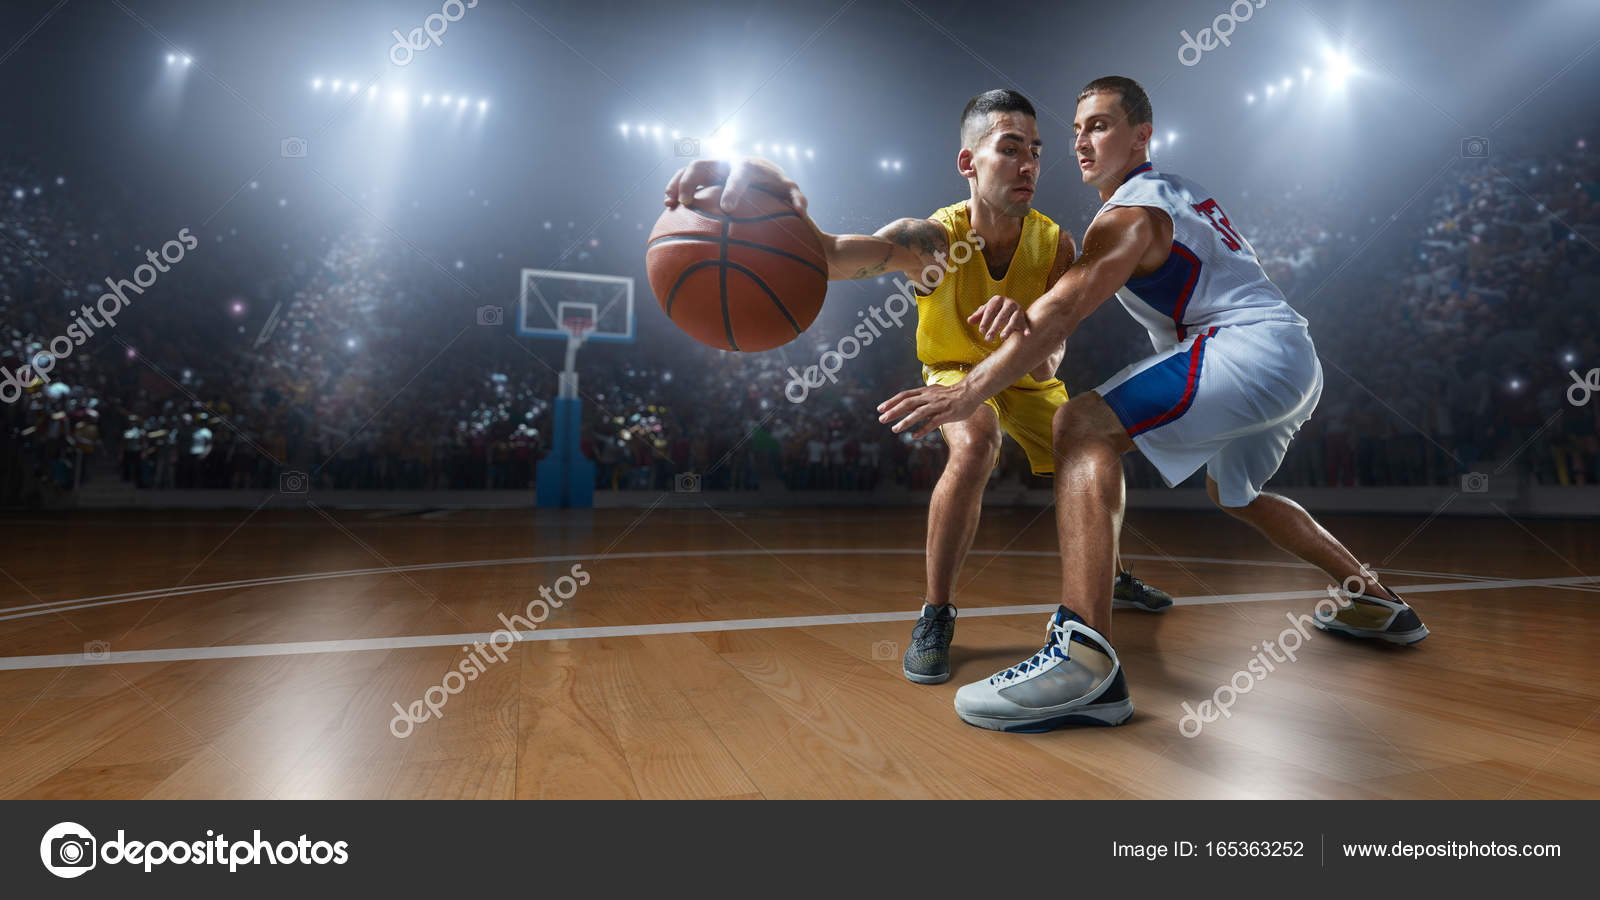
(238, 651)
(55, 606)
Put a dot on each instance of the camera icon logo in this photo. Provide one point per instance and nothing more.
(687, 483)
(1474, 483)
(1474, 148)
(885, 650)
(491, 315)
(687, 147)
(97, 651)
(293, 483)
(67, 850)
(293, 148)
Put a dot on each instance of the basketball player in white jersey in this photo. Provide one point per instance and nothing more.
(958, 322)
(1233, 377)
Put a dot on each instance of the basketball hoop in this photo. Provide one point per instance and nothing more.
(577, 327)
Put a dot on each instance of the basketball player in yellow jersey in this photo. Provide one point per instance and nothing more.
(976, 266)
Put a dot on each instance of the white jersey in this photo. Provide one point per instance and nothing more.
(1212, 278)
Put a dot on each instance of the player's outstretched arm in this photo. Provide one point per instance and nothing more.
(1112, 249)
(904, 245)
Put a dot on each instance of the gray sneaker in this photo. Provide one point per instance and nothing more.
(1129, 589)
(927, 660)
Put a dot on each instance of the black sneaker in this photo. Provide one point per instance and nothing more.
(1369, 616)
(1129, 589)
(927, 660)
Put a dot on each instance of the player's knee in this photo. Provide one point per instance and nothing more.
(1075, 424)
(974, 446)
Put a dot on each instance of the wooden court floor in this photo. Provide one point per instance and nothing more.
(722, 654)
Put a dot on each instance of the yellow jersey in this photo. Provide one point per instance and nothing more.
(945, 339)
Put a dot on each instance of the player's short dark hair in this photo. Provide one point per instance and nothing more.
(1135, 102)
(975, 115)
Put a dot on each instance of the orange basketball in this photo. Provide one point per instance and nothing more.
(750, 280)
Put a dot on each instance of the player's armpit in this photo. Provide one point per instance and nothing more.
(1066, 255)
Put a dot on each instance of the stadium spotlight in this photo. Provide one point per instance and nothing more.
(355, 87)
(792, 151)
(1305, 73)
(676, 134)
(462, 103)
(372, 92)
(1339, 68)
(483, 106)
(338, 84)
(624, 125)
(1249, 98)
(445, 101)
(883, 164)
(1287, 83)
(187, 60)
(1269, 90)
(810, 153)
(1155, 145)
(171, 58)
(427, 99)
(897, 165)
(757, 148)
(316, 84)
(657, 132)
(1172, 137)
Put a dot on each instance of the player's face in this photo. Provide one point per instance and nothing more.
(1007, 163)
(1106, 145)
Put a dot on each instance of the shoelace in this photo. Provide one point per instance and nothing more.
(929, 633)
(1055, 637)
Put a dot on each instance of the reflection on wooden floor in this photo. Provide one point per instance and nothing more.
(1502, 701)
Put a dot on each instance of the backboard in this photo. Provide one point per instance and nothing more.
(547, 299)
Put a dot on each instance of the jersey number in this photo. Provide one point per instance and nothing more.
(1219, 221)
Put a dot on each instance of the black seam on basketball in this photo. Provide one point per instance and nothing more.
(682, 276)
(768, 291)
(706, 238)
(722, 282)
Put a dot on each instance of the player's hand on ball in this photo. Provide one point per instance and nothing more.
(737, 177)
(693, 177)
(927, 408)
(1000, 318)
(756, 172)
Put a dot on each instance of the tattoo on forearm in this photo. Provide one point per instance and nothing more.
(919, 235)
(869, 271)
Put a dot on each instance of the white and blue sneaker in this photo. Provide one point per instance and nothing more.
(1075, 679)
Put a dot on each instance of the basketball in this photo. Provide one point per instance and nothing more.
(751, 280)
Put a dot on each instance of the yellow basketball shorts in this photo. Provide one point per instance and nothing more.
(1025, 413)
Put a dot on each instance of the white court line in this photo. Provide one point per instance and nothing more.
(56, 606)
(241, 651)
